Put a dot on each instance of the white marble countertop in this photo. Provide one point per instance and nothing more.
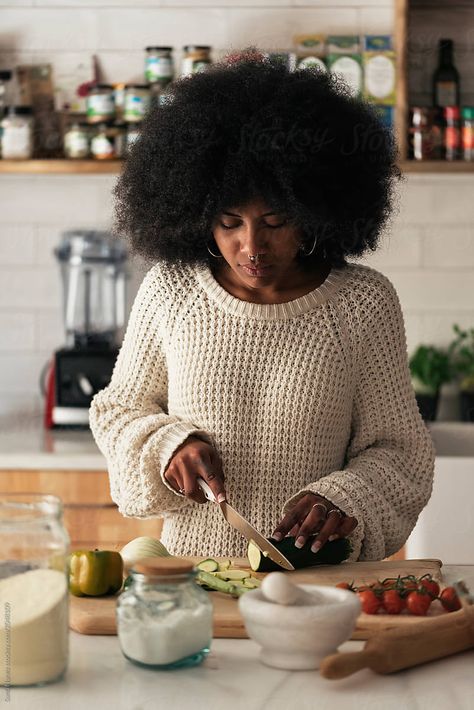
(26, 444)
(233, 677)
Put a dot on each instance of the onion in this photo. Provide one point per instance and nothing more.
(142, 547)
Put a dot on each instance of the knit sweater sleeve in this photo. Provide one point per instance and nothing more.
(129, 418)
(388, 472)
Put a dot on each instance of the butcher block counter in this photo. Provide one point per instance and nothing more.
(233, 677)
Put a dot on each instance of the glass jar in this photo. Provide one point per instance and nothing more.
(17, 133)
(103, 143)
(119, 100)
(100, 103)
(195, 59)
(164, 619)
(34, 595)
(452, 133)
(420, 133)
(133, 131)
(467, 132)
(159, 65)
(76, 142)
(137, 102)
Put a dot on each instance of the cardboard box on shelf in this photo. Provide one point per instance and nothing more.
(378, 59)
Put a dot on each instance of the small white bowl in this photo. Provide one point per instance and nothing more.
(299, 637)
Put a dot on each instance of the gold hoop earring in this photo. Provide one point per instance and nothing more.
(216, 256)
(307, 253)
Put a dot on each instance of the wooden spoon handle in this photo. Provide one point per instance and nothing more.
(340, 665)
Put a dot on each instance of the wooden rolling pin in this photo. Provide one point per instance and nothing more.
(404, 647)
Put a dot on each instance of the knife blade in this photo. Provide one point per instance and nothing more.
(238, 522)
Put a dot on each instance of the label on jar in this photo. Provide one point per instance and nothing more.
(446, 93)
(100, 105)
(76, 144)
(379, 77)
(350, 71)
(158, 68)
(135, 107)
(17, 142)
(193, 66)
(102, 147)
(452, 137)
(312, 62)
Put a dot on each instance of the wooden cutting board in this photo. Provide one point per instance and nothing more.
(89, 615)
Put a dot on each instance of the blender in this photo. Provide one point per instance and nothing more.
(93, 271)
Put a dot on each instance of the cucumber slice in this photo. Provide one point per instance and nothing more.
(332, 553)
(232, 574)
(208, 565)
(225, 564)
(251, 582)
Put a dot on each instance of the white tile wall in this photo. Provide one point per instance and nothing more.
(428, 251)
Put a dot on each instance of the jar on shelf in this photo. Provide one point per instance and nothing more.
(159, 67)
(164, 619)
(133, 131)
(119, 132)
(100, 103)
(196, 58)
(467, 132)
(34, 590)
(76, 141)
(17, 133)
(119, 100)
(420, 133)
(137, 102)
(103, 143)
(452, 132)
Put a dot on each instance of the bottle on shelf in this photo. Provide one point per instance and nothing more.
(446, 77)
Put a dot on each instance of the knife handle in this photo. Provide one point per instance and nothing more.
(207, 490)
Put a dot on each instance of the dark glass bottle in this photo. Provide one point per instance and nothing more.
(446, 77)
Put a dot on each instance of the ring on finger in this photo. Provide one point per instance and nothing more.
(182, 490)
(321, 505)
(336, 510)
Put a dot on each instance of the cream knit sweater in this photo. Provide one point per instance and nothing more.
(309, 395)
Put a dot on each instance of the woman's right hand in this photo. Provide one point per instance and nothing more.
(196, 458)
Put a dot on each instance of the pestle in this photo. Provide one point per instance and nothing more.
(277, 588)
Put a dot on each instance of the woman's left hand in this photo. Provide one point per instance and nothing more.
(314, 515)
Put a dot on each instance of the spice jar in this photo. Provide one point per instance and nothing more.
(452, 133)
(467, 132)
(100, 103)
(195, 59)
(34, 594)
(420, 133)
(119, 100)
(159, 65)
(137, 101)
(76, 141)
(164, 619)
(17, 133)
(103, 143)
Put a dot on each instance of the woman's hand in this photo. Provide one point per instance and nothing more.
(192, 459)
(314, 515)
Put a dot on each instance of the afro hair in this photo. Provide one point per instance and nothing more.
(254, 129)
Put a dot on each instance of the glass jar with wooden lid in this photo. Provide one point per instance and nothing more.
(164, 618)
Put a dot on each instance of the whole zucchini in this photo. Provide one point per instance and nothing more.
(332, 553)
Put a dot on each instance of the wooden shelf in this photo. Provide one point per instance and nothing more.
(113, 167)
(436, 166)
(69, 167)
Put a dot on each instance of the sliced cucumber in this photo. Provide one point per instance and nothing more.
(208, 565)
(232, 574)
(331, 553)
(225, 564)
(251, 582)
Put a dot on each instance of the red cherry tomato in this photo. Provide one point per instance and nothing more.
(369, 601)
(418, 603)
(344, 585)
(430, 586)
(449, 599)
(392, 602)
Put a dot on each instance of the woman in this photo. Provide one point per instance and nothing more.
(287, 387)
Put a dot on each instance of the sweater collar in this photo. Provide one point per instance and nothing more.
(269, 311)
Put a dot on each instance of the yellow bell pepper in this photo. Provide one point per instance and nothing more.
(94, 573)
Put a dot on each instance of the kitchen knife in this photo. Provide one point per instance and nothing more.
(246, 529)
